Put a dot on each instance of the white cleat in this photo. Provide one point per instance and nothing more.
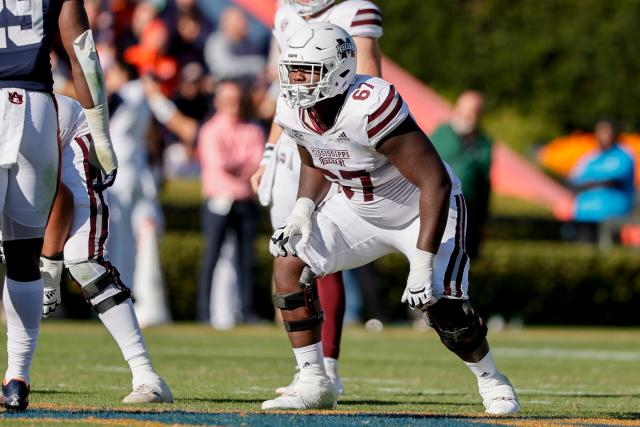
(498, 396)
(314, 392)
(289, 388)
(154, 392)
(333, 377)
(337, 384)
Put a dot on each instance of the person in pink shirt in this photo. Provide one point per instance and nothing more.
(229, 148)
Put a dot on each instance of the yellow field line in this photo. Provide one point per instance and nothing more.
(481, 418)
(568, 422)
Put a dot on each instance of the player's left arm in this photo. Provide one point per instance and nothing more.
(369, 56)
(411, 151)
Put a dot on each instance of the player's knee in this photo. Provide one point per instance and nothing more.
(287, 272)
(305, 296)
(457, 323)
(23, 259)
(100, 284)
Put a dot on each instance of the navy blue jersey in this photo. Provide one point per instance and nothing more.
(26, 33)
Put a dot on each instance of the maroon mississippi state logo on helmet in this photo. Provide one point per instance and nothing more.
(346, 48)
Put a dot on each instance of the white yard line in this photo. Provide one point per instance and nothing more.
(112, 369)
(554, 353)
(574, 393)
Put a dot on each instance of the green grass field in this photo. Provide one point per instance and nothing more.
(396, 377)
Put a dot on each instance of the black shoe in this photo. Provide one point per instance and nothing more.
(15, 395)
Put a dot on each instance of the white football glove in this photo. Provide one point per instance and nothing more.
(418, 292)
(102, 154)
(51, 271)
(298, 223)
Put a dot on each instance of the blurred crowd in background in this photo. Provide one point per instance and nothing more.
(191, 95)
(188, 97)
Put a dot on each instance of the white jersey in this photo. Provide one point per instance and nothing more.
(347, 155)
(71, 120)
(360, 18)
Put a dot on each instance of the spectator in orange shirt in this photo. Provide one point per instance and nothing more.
(150, 57)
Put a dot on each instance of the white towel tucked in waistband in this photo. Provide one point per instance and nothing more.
(13, 103)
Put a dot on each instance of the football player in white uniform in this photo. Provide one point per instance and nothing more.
(363, 20)
(398, 195)
(76, 233)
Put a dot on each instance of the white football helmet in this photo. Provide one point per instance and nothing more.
(322, 48)
(310, 7)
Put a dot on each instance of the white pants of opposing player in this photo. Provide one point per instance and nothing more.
(29, 160)
(341, 240)
(90, 230)
(90, 227)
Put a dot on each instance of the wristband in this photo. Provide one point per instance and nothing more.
(162, 108)
(304, 208)
(268, 152)
(422, 259)
(98, 122)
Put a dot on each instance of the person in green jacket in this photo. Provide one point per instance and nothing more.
(467, 150)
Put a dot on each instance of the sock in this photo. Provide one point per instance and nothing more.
(485, 369)
(310, 360)
(332, 301)
(23, 307)
(122, 323)
(331, 366)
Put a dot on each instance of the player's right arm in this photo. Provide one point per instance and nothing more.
(166, 112)
(89, 84)
(365, 27)
(369, 56)
(312, 189)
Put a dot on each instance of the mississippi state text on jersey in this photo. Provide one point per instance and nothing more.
(26, 32)
(360, 18)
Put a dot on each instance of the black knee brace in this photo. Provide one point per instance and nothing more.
(110, 277)
(307, 297)
(459, 326)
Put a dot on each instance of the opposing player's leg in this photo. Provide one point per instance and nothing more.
(28, 182)
(22, 296)
(332, 301)
(111, 299)
(52, 257)
(454, 319)
(85, 256)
